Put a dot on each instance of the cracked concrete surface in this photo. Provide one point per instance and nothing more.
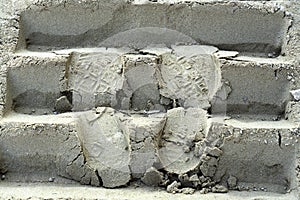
(190, 97)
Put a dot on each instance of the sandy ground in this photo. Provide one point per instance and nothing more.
(74, 191)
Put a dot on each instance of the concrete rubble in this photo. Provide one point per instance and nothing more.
(296, 94)
(137, 93)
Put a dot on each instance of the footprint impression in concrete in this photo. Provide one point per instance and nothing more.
(150, 110)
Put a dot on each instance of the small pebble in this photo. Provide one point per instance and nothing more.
(219, 189)
(188, 190)
(3, 177)
(51, 179)
(204, 191)
(272, 55)
(296, 94)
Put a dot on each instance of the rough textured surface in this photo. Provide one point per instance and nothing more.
(28, 145)
(77, 192)
(276, 150)
(182, 130)
(119, 21)
(30, 88)
(192, 75)
(153, 79)
(106, 146)
(192, 97)
(144, 133)
(256, 87)
(91, 74)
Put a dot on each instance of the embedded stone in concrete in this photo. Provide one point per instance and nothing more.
(118, 80)
(118, 146)
(183, 128)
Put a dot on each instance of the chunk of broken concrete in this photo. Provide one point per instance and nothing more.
(219, 189)
(90, 177)
(208, 166)
(188, 190)
(213, 151)
(295, 94)
(152, 177)
(173, 187)
(195, 180)
(205, 190)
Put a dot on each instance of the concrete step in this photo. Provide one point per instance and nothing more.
(187, 97)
